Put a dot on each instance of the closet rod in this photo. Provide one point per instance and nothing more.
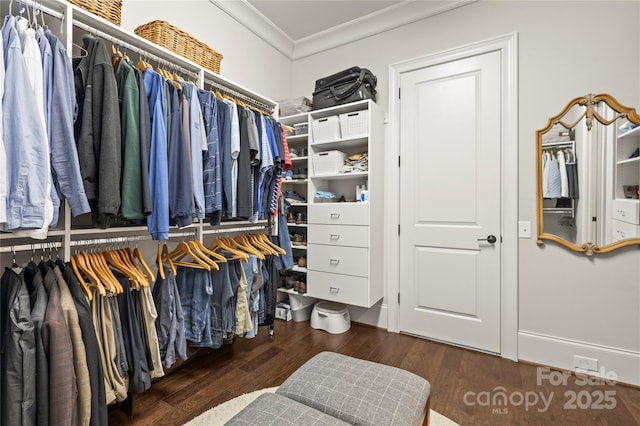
(128, 239)
(239, 95)
(30, 247)
(238, 229)
(556, 144)
(43, 8)
(133, 48)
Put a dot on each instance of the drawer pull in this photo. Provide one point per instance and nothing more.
(335, 215)
(622, 213)
(334, 261)
(621, 233)
(335, 236)
(334, 290)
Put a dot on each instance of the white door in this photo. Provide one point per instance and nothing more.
(450, 202)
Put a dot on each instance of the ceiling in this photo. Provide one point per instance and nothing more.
(300, 28)
(302, 18)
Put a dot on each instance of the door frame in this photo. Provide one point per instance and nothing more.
(507, 45)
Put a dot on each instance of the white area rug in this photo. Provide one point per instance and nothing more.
(224, 412)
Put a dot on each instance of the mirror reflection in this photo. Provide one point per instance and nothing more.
(588, 168)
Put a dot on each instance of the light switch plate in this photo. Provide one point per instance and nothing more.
(524, 229)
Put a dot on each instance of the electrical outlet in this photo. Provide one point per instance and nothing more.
(524, 229)
(585, 363)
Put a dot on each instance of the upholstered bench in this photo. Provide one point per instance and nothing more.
(332, 388)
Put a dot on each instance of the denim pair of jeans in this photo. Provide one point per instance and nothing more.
(196, 289)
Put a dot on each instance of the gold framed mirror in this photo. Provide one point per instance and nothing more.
(588, 176)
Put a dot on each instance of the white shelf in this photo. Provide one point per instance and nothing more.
(297, 138)
(634, 160)
(291, 291)
(296, 159)
(294, 181)
(633, 132)
(340, 143)
(298, 204)
(297, 268)
(297, 225)
(295, 247)
(337, 176)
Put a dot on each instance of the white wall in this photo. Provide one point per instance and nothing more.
(247, 59)
(568, 304)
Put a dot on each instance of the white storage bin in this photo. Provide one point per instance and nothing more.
(331, 317)
(302, 314)
(300, 129)
(326, 129)
(354, 124)
(328, 162)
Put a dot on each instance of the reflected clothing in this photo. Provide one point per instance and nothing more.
(251, 271)
(243, 314)
(244, 184)
(285, 261)
(196, 147)
(94, 363)
(145, 142)
(170, 321)
(18, 357)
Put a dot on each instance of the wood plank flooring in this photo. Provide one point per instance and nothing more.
(465, 384)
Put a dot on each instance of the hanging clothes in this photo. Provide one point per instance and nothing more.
(212, 168)
(170, 325)
(131, 205)
(94, 363)
(65, 166)
(158, 220)
(39, 299)
(197, 147)
(145, 143)
(18, 355)
(97, 131)
(25, 140)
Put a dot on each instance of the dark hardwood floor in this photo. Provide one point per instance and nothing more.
(465, 385)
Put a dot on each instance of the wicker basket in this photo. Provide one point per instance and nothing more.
(109, 10)
(166, 35)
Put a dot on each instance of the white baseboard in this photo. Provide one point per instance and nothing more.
(557, 352)
(375, 316)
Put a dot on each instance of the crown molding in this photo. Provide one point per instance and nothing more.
(383, 20)
(257, 23)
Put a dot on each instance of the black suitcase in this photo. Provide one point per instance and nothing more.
(350, 85)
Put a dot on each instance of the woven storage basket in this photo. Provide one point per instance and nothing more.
(109, 10)
(166, 35)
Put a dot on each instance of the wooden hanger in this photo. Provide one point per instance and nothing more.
(195, 247)
(137, 255)
(159, 262)
(115, 259)
(203, 249)
(244, 246)
(270, 243)
(182, 250)
(80, 277)
(165, 256)
(220, 244)
(96, 266)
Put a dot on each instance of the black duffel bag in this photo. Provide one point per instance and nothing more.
(351, 85)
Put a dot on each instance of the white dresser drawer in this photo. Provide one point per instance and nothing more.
(337, 259)
(339, 213)
(626, 211)
(339, 235)
(338, 288)
(623, 230)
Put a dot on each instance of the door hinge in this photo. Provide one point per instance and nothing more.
(398, 298)
(398, 93)
(398, 229)
(398, 161)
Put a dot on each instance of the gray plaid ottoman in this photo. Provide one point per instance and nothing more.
(359, 392)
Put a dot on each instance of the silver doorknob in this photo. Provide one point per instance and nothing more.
(491, 239)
